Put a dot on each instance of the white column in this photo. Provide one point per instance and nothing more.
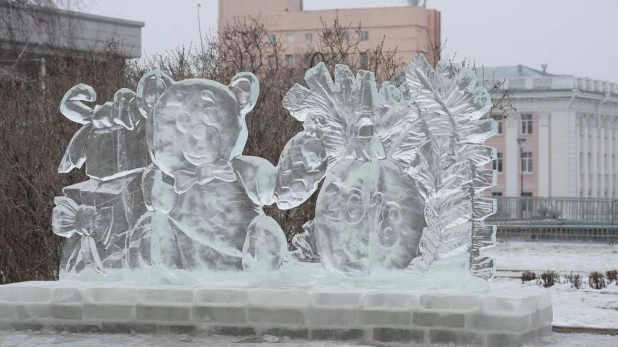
(595, 156)
(610, 156)
(562, 154)
(580, 155)
(511, 155)
(544, 120)
(586, 149)
(602, 186)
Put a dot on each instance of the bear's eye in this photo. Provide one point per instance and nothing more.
(210, 115)
(208, 97)
(183, 122)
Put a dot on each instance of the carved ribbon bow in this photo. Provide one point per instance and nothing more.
(221, 170)
(70, 219)
(119, 113)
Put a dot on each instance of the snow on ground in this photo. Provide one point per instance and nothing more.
(584, 307)
(562, 257)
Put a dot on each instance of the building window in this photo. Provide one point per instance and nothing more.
(271, 62)
(496, 194)
(526, 162)
(364, 60)
(272, 38)
(289, 61)
(589, 162)
(364, 36)
(309, 37)
(526, 124)
(291, 38)
(498, 162)
(346, 35)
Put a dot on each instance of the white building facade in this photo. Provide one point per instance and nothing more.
(566, 127)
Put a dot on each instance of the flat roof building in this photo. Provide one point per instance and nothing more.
(30, 33)
(409, 29)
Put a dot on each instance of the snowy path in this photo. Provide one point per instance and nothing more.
(36, 339)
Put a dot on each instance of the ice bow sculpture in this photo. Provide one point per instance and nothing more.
(404, 171)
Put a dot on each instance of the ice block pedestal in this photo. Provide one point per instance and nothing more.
(494, 318)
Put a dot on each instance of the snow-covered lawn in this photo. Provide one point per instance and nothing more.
(584, 307)
(561, 257)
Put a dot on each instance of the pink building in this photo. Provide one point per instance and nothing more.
(410, 29)
(569, 126)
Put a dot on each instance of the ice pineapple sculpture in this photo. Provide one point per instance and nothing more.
(404, 171)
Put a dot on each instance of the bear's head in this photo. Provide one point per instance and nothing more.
(195, 121)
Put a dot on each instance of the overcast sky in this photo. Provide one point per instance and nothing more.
(573, 37)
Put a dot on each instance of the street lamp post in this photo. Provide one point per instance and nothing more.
(521, 143)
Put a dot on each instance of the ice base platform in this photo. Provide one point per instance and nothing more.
(492, 318)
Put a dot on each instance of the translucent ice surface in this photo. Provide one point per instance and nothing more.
(96, 215)
(169, 189)
(170, 193)
(404, 171)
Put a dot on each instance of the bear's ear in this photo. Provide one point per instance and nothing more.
(246, 88)
(150, 88)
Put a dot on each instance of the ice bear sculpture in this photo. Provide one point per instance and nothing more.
(205, 198)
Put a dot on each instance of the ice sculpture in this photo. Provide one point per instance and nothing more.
(404, 171)
(198, 205)
(449, 167)
(170, 189)
(205, 198)
(97, 214)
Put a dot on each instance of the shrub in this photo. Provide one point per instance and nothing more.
(612, 275)
(597, 280)
(527, 276)
(550, 278)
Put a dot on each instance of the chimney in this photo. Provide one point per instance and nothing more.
(520, 68)
(544, 66)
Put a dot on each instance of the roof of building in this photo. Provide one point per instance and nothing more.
(513, 71)
(74, 14)
(523, 79)
(84, 32)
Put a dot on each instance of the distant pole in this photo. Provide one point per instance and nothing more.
(199, 23)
